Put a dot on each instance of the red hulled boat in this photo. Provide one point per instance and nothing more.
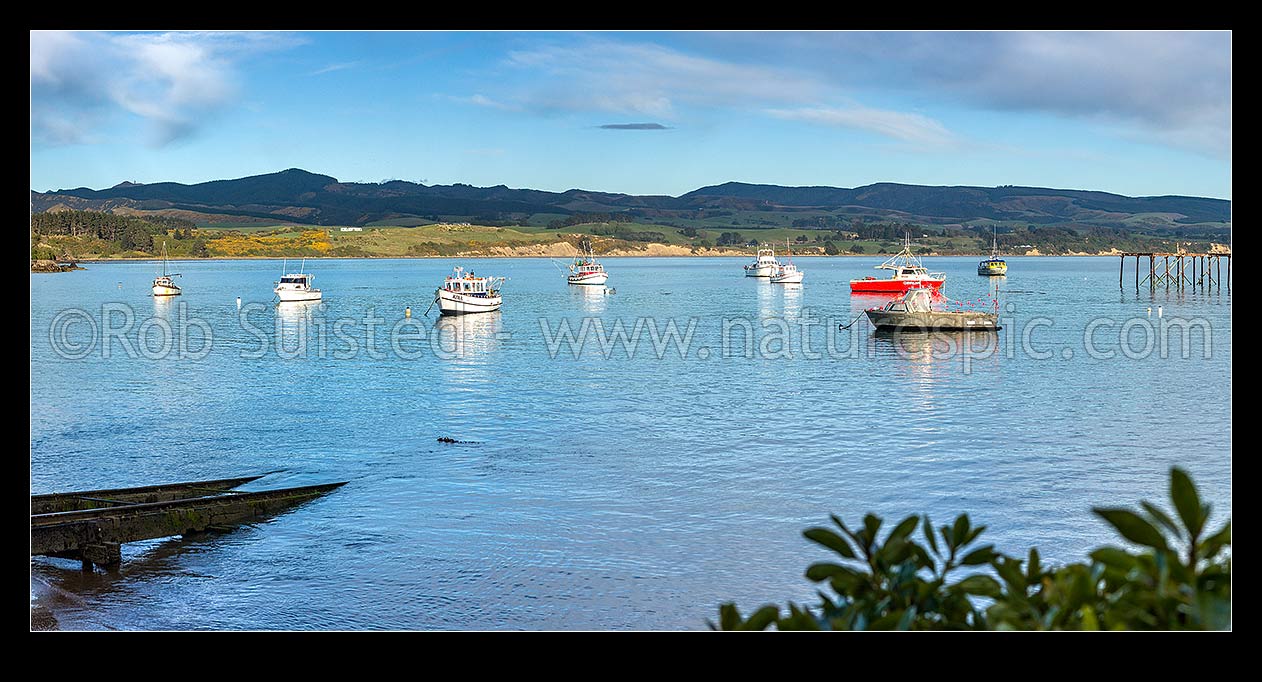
(909, 273)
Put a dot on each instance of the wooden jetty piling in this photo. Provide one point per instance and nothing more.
(1180, 269)
(95, 535)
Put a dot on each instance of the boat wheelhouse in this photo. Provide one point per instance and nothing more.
(764, 265)
(463, 293)
(908, 273)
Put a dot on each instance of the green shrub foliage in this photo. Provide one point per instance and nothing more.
(922, 577)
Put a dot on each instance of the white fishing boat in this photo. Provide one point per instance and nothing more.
(787, 272)
(296, 286)
(164, 284)
(463, 293)
(764, 265)
(586, 270)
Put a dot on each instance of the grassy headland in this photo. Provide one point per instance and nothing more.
(94, 236)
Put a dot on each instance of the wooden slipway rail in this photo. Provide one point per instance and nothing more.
(96, 499)
(95, 535)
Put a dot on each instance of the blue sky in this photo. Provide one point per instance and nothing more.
(1137, 113)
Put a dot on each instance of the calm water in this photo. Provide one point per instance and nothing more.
(619, 492)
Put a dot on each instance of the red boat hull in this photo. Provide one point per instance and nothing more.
(891, 286)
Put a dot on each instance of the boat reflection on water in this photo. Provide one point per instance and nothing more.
(591, 299)
(996, 283)
(927, 356)
(466, 347)
(767, 306)
(164, 306)
(467, 339)
(294, 325)
(292, 313)
(792, 299)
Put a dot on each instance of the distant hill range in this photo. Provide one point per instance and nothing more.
(297, 196)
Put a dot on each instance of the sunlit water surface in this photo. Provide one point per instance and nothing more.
(619, 492)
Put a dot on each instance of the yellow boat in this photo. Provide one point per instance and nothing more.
(993, 265)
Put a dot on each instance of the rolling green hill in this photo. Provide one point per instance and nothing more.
(302, 198)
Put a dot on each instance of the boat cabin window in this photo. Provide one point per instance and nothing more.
(293, 280)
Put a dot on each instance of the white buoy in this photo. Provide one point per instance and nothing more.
(1158, 311)
(238, 303)
(1149, 311)
(407, 312)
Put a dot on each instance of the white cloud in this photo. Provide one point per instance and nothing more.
(172, 81)
(903, 126)
(1168, 87)
(337, 66)
(652, 81)
(484, 101)
(649, 80)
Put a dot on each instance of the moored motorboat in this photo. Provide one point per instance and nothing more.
(787, 272)
(908, 273)
(296, 286)
(764, 265)
(914, 310)
(463, 293)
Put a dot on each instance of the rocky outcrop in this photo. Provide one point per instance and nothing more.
(53, 266)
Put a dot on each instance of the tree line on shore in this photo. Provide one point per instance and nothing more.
(129, 233)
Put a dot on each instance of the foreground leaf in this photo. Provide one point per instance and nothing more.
(1133, 527)
(1186, 501)
(830, 540)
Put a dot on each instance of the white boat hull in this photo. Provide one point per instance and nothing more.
(592, 278)
(165, 291)
(788, 278)
(286, 295)
(760, 271)
(451, 303)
